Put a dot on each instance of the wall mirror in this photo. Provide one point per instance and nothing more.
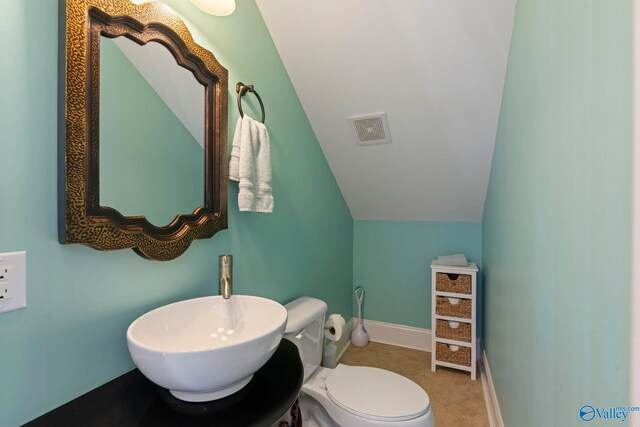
(143, 131)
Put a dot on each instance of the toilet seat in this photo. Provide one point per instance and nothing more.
(376, 394)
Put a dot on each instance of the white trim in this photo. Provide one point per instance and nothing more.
(490, 398)
(635, 221)
(400, 335)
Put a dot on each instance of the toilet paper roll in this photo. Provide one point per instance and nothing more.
(334, 326)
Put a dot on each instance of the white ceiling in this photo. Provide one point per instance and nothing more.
(436, 67)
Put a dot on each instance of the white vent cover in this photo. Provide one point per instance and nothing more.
(371, 129)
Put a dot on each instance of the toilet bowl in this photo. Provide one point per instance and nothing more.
(349, 396)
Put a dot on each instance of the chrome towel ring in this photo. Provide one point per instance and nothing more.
(241, 89)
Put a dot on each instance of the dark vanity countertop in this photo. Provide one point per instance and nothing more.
(133, 400)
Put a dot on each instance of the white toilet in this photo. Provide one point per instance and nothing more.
(349, 396)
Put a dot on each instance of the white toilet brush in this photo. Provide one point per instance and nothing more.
(359, 335)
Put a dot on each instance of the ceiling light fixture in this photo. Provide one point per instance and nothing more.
(216, 7)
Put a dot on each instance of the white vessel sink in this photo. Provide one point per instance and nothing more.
(207, 348)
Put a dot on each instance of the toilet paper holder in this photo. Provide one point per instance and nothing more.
(330, 329)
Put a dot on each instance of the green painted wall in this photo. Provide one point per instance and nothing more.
(556, 229)
(71, 337)
(391, 260)
(138, 128)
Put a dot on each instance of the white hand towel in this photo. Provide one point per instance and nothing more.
(457, 260)
(250, 165)
(234, 161)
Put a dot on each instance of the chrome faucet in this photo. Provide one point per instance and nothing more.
(225, 271)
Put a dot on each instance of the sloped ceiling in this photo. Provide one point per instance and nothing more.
(436, 67)
(175, 85)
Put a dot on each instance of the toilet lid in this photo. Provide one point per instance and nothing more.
(376, 394)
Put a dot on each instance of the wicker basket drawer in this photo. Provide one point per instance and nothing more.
(458, 355)
(457, 283)
(458, 331)
(453, 307)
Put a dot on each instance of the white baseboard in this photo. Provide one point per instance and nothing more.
(400, 335)
(490, 398)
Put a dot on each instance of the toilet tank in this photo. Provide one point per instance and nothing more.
(305, 328)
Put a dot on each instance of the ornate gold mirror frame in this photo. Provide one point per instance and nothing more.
(82, 219)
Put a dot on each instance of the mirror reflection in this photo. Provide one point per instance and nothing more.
(152, 123)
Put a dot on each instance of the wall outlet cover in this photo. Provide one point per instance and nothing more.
(13, 281)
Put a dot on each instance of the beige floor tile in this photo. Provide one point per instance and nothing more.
(449, 386)
(444, 417)
(473, 411)
(456, 400)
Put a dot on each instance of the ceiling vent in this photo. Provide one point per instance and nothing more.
(371, 129)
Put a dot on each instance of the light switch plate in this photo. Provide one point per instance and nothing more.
(13, 281)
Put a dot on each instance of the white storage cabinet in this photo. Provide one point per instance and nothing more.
(453, 317)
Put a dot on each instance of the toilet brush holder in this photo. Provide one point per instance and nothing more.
(359, 335)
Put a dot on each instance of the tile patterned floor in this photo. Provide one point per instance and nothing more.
(455, 400)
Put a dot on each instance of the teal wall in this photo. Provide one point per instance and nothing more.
(71, 337)
(391, 260)
(556, 228)
(138, 128)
